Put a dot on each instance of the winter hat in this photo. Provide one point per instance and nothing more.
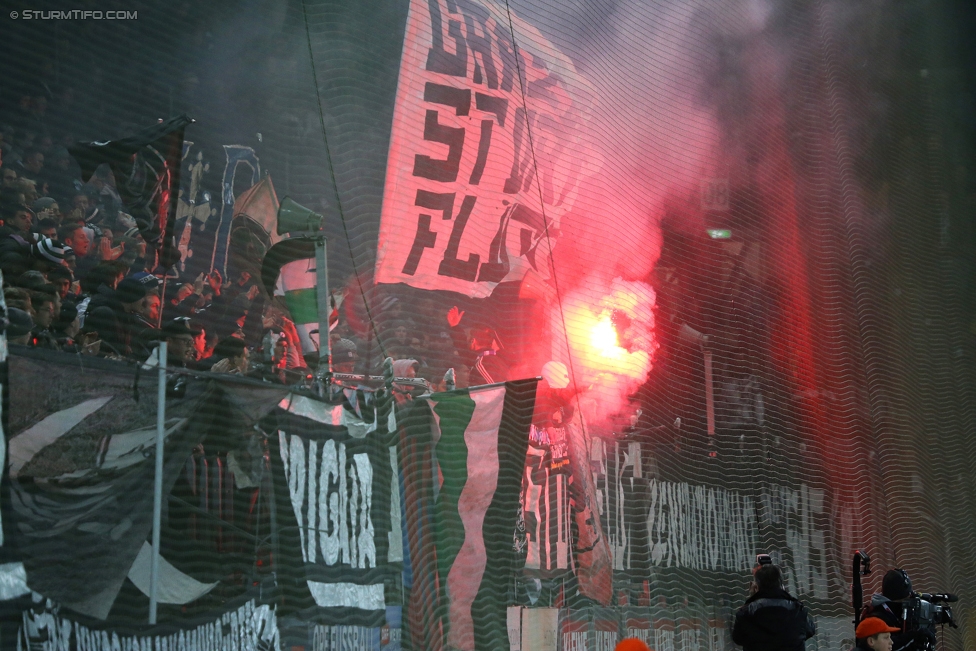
(872, 626)
(130, 290)
(150, 281)
(631, 644)
(50, 250)
(178, 327)
(344, 351)
(20, 322)
(43, 204)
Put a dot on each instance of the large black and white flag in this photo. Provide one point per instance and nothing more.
(80, 471)
(339, 519)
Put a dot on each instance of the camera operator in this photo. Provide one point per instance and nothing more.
(771, 618)
(896, 589)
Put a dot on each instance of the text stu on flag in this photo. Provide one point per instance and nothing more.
(464, 207)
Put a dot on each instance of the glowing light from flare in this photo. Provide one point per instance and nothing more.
(603, 337)
(593, 338)
(609, 343)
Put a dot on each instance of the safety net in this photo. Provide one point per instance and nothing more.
(618, 294)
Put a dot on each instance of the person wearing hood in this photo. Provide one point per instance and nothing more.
(403, 393)
(115, 318)
(772, 619)
(896, 588)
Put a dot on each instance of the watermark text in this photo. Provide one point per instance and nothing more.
(74, 14)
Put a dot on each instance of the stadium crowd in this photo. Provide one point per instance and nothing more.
(77, 278)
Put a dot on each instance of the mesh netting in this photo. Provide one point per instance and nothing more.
(732, 240)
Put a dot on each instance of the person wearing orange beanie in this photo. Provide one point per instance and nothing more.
(874, 634)
(631, 644)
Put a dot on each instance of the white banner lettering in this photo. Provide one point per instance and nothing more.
(251, 627)
(332, 496)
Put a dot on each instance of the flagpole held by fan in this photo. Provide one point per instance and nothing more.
(301, 223)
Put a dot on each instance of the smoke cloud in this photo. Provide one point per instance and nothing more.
(657, 131)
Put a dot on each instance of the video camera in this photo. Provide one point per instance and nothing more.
(924, 611)
(921, 611)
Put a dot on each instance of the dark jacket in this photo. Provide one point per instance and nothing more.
(772, 620)
(115, 326)
(42, 338)
(143, 337)
(15, 244)
(891, 613)
(485, 366)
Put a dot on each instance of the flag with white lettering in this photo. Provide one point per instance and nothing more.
(487, 149)
(246, 624)
(463, 453)
(546, 512)
(581, 629)
(333, 484)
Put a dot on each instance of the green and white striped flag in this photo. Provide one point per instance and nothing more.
(289, 270)
(297, 284)
(462, 454)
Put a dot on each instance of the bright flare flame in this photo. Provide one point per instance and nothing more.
(603, 337)
(605, 370)
(598, 359)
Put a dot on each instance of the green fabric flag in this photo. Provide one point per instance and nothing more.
(463, 455)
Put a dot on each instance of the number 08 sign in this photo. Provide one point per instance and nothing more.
(464, 205)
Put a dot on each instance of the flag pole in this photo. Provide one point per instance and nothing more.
(324, 371)
(162, 300)
(158, 484)
(709, 400)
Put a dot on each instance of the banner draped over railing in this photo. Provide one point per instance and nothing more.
(463, 452)
(336, 483)
(250, 626)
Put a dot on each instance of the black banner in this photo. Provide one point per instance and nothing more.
(333, 494)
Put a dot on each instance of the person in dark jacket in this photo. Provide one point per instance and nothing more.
(478, 350)
(772, 619)
(114, 319)
(896, 588)
(179, 341)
